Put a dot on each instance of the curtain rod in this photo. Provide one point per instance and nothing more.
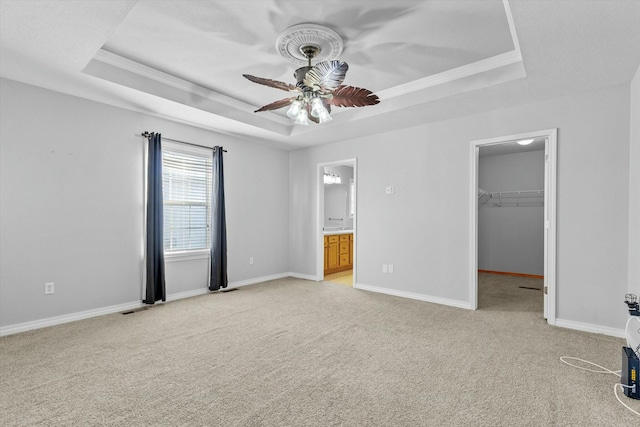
(147, 135)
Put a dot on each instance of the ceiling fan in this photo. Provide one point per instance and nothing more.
(317, 87)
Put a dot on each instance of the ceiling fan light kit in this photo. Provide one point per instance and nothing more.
(320, 86)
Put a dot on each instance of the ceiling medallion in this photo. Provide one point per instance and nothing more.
(291, 42)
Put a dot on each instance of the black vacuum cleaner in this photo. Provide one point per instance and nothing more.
(630, 354)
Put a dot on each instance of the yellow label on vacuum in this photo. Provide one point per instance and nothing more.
(633, 375)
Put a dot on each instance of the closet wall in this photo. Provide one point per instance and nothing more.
(510, 237)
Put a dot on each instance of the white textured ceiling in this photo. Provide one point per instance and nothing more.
(511, 148)
(427, 60)
(213, 43)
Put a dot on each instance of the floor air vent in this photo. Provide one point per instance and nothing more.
(135, 311)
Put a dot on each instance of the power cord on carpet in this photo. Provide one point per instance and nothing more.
(601, 370)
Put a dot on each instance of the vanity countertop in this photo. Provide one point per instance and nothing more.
(334, 232)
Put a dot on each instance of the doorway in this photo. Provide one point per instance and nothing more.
(337, 221)
(482, 197)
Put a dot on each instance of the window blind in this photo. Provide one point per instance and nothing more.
(186, 181)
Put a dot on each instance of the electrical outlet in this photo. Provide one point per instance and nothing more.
(389, 190)
(48, 288)
(385, 268)
(251, 260)
(390, 269)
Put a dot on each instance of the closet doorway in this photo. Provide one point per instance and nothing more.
(513, 188)
(337, 223)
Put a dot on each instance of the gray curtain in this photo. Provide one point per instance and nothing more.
(155, 286)
(218, 277)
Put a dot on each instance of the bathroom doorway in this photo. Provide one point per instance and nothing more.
(337, 221)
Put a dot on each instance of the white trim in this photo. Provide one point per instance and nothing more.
(72, 317)
(192, 150)
(126, 64)
(473, 228)
(186, 255)
(589, 327)
(550, 210)
(512, 27)
(320, 215)
(415, 296)
(305, 277)
(66, 318)
(488, 64)
(255, 280)
(112, 68)
(551, 151)
(492, 63)
(182, 295)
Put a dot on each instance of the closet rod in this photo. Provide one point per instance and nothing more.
(523, 193)
(147, 135)
(527, 194)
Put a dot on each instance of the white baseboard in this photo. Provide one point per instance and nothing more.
(72, 317)
(186, 294)
(255, 280)
(589, 327)
(304, 276)
(66, 318)
(412, 295)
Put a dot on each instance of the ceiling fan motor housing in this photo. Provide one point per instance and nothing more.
(299, 76)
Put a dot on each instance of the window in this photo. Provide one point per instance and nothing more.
(186, 187)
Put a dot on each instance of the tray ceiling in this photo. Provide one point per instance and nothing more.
(426, 60)
(211, 44)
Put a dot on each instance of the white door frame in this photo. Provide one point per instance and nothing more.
(550, 172)
(320, 216)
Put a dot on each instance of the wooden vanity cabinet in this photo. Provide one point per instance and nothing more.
(332, 252)
(338, 253)
(344, 250)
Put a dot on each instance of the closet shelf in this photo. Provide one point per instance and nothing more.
(499, 199)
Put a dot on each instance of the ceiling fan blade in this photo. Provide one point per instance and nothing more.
(271, 83)
(350, 96)
(327, 75)
(275, 105)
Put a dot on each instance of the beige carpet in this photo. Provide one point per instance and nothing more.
(298, 353)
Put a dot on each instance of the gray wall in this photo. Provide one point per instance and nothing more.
(71, 205)
(511, 239)
(634, 190)
(424, 228)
